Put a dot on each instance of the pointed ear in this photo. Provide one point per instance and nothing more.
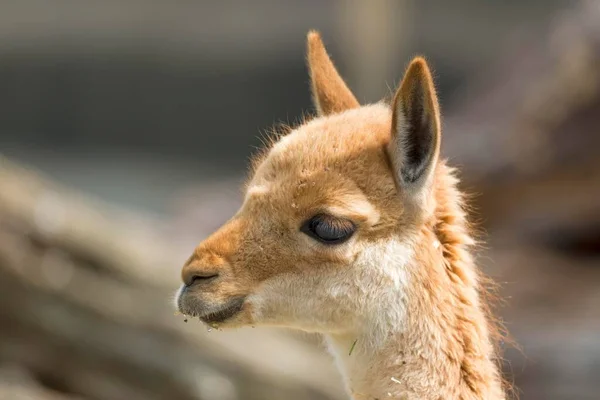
(330, 93)
(415, 144)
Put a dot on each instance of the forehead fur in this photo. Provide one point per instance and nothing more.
(336, 164)
(327, 142)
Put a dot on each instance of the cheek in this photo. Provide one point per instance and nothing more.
(264, 254)
(305, 271)
(322, 300)
(228, 288)
(314, 255)
(335, 297)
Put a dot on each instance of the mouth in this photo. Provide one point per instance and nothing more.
(211, 314)
(232, 308)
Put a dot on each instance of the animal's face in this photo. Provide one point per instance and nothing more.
(328, 214)
(318, 200)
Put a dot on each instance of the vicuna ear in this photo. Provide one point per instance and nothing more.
(415, 144)
(330, 93)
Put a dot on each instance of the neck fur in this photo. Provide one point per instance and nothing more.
(442, 349)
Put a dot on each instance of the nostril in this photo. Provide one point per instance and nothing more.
(202, 278)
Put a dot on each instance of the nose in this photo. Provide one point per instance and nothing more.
(193, 274)
(202, 268)
(192, 278)
(210, 259)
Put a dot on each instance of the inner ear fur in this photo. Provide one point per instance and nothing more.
(415, 145)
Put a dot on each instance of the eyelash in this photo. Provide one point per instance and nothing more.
(328, 229)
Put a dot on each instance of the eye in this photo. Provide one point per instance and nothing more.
(327, 229)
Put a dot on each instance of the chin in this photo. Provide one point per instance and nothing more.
(231, 313)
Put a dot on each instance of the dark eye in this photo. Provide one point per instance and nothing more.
(328, 229)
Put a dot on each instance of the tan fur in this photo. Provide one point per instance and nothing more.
(403, 292)
(330, 93)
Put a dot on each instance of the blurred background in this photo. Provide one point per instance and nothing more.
(125, 130)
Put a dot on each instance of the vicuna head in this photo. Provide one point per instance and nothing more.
(351, 226)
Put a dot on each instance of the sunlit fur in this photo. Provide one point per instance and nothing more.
(400, 302)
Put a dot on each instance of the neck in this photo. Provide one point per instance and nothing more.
(443, 349)
(414, 366)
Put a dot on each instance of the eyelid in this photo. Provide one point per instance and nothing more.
(336, 222)
(359, 214)
(337, 213)
(334, 218)
(347, 228)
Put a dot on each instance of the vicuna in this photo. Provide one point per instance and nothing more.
(353, 227)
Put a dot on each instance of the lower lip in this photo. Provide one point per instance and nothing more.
(233, 308)
(178, 296)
